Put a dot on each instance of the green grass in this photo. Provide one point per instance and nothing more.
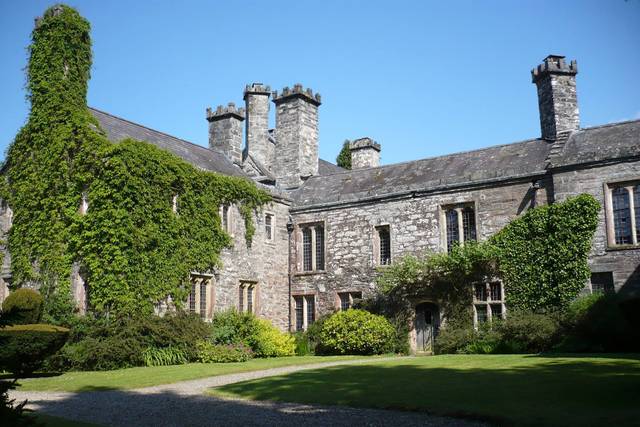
(149, 376)
(506, 389)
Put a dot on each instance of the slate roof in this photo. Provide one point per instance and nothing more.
(600, 143)
(328, 168)
(511, 160)
(118, 129)
(501, 162)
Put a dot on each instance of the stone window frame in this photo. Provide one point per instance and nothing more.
(488, 302)
(305, 297)
(351, 295)
(270, 238)
(608, 187)
(311, 225)
(377, 245)
(197, 282)
(247, 296)
(443, 208)
(84, 203)
(227, 224)
(174, 204)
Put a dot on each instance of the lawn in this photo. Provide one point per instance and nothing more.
(506, 389)
(149, 376)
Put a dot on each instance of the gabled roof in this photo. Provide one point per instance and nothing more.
(118, 129)
(600, 143)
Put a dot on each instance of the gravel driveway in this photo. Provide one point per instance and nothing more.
(185, 404)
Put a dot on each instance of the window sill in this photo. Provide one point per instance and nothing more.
(310, 273)
(622, 248)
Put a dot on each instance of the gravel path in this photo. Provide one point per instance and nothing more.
(185, 404)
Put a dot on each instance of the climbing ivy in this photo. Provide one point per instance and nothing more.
(543, 254)
(541, 258)
(132, 248)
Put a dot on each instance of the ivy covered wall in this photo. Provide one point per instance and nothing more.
(133, 249)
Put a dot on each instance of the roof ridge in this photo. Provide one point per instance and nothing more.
(606, 125)
(434, 157)
(151, 129)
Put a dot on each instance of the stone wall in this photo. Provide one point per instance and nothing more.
(225, 130)
(416, 225)
(624, 263)
(264, 263)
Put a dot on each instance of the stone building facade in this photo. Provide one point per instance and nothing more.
(327, 232)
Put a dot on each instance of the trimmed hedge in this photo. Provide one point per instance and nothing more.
(23, 306)
(356, 332)
(23, 348)
(220, 353)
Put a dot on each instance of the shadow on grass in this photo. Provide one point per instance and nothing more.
(538, 390)
(9, 376)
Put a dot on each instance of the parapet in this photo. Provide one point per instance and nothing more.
(256, 88)
(225, 112)
(365, 142)
(554, 64)
(297, 92)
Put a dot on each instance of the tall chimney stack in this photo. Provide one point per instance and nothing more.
(256, 97)
(225, 130)
(365, 153)
(296, 153)
(557, 97)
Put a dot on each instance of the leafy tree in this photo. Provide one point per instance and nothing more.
(344, 157)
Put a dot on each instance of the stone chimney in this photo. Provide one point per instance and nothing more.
(296, 153)
(557, 98)
(225, 130)
(256, 98)
(365, 153)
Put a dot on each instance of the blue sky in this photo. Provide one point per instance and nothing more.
(423, 78)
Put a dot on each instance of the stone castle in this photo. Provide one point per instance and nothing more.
(327, 231)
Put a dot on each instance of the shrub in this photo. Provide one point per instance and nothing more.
(599, 323)
(454, 338)
(302, 343)
(12, 413)
(221, 353)
(271, 342)
(154, 356)
(527, 332)
(23, 348)
(232, 327)
(23, 306)
(356, 332)
(104, 344)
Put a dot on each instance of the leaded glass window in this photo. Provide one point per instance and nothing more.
(299, 301)
(307, 264)
(602, 283)
(319, 247)
(636, 207)
(311, 309)
(621, 216)
(192, 298)
(268, 226)
(469, 223)
(241, 298)
(481, 313)
(496, 291)
(453, 234)
(480, 291)
(203, 300)
(384, 241)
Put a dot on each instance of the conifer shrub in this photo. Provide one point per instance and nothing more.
(356, 332)
(23, 306)
(24, 348)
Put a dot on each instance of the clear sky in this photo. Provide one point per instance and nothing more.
(423, 78)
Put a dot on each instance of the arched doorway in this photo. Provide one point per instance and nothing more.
(426, 324)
